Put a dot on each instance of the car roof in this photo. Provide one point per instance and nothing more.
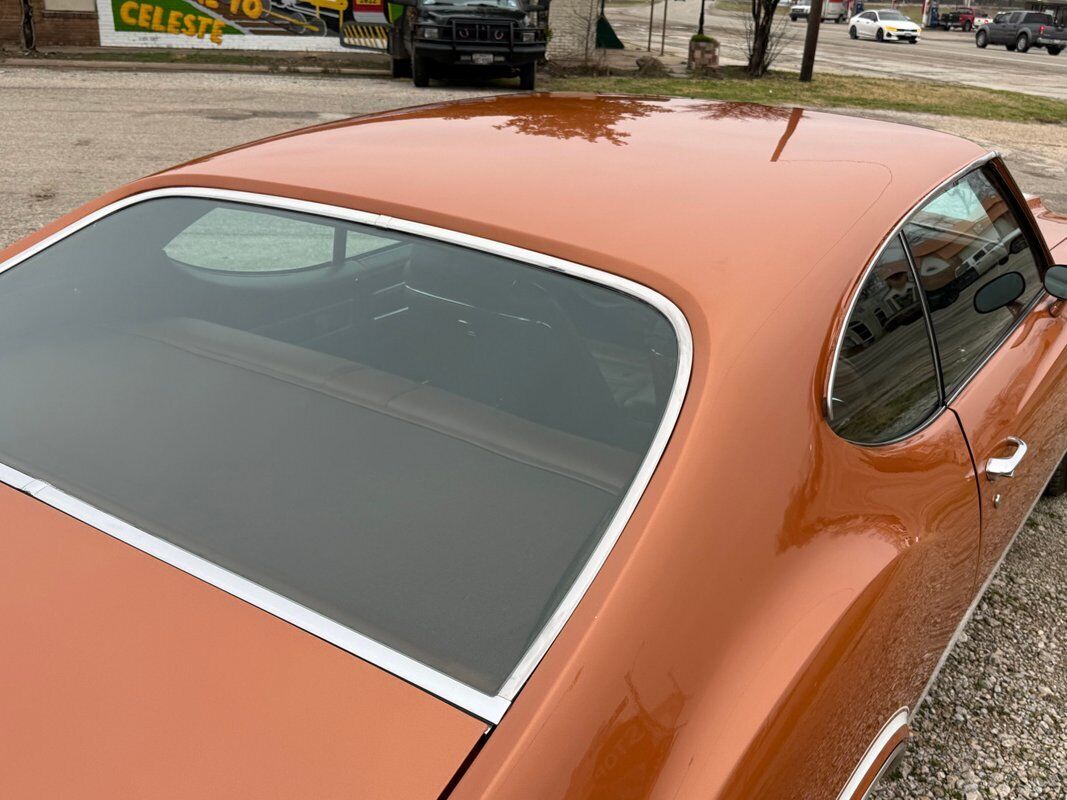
(697, 199)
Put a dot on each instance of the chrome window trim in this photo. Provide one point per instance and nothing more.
(490, 708)
(898, 230)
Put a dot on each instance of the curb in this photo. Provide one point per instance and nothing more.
(174, 66)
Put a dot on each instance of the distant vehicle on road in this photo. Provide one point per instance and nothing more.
(832, 9)
(1021, 30)
(963, 18)
(884, 26)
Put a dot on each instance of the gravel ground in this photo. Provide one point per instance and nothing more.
(995, 725)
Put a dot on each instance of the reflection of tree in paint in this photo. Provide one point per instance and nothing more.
(722, 110)
(593, 119)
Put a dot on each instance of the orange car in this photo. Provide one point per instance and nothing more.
(512, 449)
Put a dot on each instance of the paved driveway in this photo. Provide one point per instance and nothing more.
(941, 55)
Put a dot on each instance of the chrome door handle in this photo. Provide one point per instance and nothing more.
(1005, 467)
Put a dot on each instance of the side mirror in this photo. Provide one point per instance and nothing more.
(1056, 282)
(1000, 291)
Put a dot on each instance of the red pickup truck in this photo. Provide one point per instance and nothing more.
(959, 18)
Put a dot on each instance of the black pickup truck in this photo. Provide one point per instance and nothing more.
(497, 37)
(1022, 30)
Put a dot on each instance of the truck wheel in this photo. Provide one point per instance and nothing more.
(420, 71)
(1022, 44)
(792, 18)
(838, 19)
(528, 76)
(981, 39)
(401, 68)
(967, 27)
(1054, 51)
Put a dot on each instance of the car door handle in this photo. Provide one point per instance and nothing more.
(1005, 467)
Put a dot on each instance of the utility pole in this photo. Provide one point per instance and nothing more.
(651, 21)
(700, 26)
(811, 41)
(663, 33)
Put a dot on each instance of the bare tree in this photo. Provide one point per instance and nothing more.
(764, 36)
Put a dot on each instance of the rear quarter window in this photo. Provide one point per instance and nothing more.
(885, 381)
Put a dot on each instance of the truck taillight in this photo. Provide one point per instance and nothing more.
(1041, 31)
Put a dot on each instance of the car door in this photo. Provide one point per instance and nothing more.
(868, 24)
(1002, 347)
(1010, 28)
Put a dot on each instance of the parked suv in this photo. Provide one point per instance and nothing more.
(1021, 30)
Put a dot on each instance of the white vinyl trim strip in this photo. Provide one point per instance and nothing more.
(490, 708)
(884, 737)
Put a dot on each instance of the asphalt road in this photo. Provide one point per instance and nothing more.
(942, 56)
(995, 724)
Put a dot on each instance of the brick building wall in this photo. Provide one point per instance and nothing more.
(10, 13)
(573, 24)
(55, 22)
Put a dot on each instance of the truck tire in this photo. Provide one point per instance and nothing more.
(420, 71)
(981, 39)
(528, 76)
(1022, 44)
(967, 26)
(1054, 50)
(792, 18)
(400, 68)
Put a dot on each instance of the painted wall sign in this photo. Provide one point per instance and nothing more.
(245, 24)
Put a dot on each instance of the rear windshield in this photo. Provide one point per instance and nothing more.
(422, 442)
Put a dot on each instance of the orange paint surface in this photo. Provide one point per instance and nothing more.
(122, 677)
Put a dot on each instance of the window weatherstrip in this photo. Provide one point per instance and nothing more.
(490, 708)
(924, 301)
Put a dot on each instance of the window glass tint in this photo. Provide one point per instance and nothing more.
(420, 441)
(885, 381)
(260, 240)
(961, 240)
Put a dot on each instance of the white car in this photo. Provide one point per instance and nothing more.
(884, 26)
(831, 9)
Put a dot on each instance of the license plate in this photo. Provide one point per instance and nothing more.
(482, 58)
